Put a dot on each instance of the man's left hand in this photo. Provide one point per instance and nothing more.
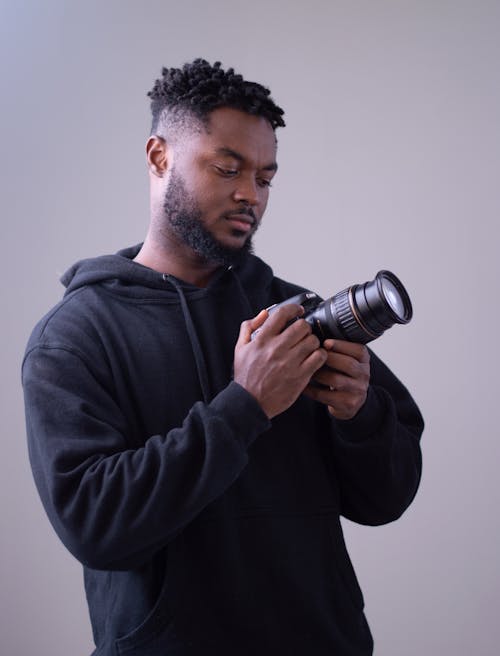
(342, 383)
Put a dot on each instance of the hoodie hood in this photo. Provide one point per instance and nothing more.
(130, 278)
(109, 268)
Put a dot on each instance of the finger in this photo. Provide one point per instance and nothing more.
(341, 405)
(250, 325)
(353, 349)
(279, 318)
(322, 394)
(348, 365)
(332, 379)
(335, 382)
(296, 333)
(307, 345)
(313, 362)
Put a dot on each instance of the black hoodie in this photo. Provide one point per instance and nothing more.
(203, 527)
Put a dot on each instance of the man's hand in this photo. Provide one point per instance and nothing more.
(343, 381)
(276, 366)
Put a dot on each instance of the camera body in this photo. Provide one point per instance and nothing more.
(359, 313)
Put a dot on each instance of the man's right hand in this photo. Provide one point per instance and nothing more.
(277, 365)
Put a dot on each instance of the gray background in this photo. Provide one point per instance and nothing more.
(390, 160)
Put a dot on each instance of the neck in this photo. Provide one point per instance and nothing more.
(177, 261)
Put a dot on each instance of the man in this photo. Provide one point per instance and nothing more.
(199, 474)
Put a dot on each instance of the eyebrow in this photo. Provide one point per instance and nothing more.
(229, 152)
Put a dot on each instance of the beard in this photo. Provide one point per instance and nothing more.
(185, 219)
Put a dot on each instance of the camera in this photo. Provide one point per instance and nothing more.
(359, 313)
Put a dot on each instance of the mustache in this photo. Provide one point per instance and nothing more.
(244, 211)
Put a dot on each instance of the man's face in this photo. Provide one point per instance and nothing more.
(218, 185)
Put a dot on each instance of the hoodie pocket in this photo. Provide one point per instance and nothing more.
(155, 636)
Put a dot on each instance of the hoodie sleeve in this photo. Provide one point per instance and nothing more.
(377, 453)
(113, 506)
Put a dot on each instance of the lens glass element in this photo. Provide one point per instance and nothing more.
(393, 297)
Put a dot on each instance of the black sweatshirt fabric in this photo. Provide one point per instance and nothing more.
(203, 527)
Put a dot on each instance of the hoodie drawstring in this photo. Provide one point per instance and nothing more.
(199, 358)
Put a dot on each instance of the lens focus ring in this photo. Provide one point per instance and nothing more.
(346, 320)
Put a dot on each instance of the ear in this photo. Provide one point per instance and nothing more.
(156, 151)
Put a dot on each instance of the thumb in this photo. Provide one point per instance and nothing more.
(248, 327)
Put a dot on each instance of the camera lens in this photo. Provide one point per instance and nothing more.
(363, 312)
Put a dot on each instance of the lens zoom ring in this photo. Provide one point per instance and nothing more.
(347, 321)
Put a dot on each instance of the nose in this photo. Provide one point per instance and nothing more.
(247, 191)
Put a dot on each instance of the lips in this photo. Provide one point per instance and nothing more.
(243, 222)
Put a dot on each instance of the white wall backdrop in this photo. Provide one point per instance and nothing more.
(390, 159)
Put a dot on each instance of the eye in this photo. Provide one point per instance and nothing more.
(227, 173)
(264, 182)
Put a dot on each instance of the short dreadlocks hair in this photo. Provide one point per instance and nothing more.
(198, 88)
